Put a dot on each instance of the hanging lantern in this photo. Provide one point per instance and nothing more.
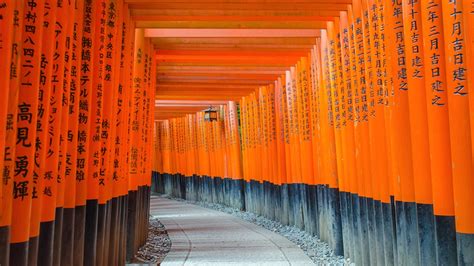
(210, 114)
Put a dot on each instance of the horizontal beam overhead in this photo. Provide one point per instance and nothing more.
(197, 18)
(227, 81)
(196, 7)
(198, 97)
(185, 75)
(231, 33)
(279, 41)
(237, 46)
(131, 3)
(232, 53)
(148, 13)
(218, 68)
(185, 103)
(200, 86)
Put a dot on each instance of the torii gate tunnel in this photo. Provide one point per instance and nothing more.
(350, 119)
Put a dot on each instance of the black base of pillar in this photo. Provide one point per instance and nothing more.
(465, 244)
(4, 245)
(388, 233)
(285, 205)
(131, 224)
(90, 239)
(426, 234)
(371, 231)
(364, 230)
(46, 240)
(379, 233)
(79, 235)
(33, 245)
(335, 217)
(67, 238)
(58, 232)
(19, 254)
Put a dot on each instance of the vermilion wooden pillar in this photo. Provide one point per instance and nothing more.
(456, 34)
(10, 11)
(6, 36)
(94, 133)
(47, 52)
(84, 120)
(70, 162)
(24, 159)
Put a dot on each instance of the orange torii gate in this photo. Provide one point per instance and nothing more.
(349, 119)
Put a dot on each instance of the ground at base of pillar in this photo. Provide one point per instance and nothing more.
(157, 246)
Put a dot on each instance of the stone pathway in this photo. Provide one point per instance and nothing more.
(201, 236)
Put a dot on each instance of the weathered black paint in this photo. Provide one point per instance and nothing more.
(67, 238)
(90, 239)
(345, 225)
(364, 230)
(101, 233)
(426, 234)
(114, 232)
(401, 233)
(19, 254)
(131, 223)
(58, 230)
(445, 240)
(335, 217)
(388, 233)
(465, 245)
(285, 205)
(371, 230)
(33, 244)
(379, 232)
(46, 238)
(79, 235)
(357, 229)
(409, 228)
(4, 245)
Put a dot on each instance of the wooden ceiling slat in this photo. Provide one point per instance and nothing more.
(237, 61)
(232, 24)
(237, 47)
(162, 78)
(202, 86)
(332, 12)
(279, 41)
(184, 2)
(224, 64)
(217, 69)
(196, 6)
(228, 81)
(198, 97)
(215, 75)
(232, 53)
(207, 89)
(168, 18)
(187, 103)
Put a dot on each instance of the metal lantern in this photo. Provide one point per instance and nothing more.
(210, 114)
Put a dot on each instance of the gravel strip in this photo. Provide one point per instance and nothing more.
(317, 250)
(157, 246)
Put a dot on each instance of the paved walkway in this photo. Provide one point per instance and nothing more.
(201, 236)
